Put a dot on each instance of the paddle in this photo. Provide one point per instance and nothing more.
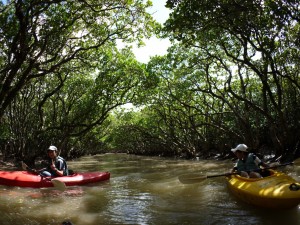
(59, 185)
(191, 179)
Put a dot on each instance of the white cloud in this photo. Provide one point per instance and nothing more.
(154, 46)
(159, 11)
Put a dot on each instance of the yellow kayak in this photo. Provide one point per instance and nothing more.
(275, 191)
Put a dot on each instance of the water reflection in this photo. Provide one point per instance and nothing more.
(142, 190)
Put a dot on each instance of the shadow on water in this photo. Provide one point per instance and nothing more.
(142, 190)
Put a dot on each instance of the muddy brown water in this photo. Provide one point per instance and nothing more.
(142, 190)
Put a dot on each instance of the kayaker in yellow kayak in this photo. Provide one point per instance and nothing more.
(247, 163)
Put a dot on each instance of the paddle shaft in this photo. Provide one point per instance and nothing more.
(190, 179)
(56, 183)
(234, 173)
(272, 167)
(222, 175)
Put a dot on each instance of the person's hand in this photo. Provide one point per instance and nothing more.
(32, 170)
(53, 167)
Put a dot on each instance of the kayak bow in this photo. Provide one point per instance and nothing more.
(275, 191)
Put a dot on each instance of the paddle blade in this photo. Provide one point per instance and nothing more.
(59, 185)
(24, 166)
(191, 179)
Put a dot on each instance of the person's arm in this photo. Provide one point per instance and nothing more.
(234, 169)
(264, 165)
(58, 170)
(260, 163)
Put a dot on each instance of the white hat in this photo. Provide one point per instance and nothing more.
(240, 147)
(52, 148)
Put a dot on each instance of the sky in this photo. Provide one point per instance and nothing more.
(154, 46)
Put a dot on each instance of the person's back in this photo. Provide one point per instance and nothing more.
(249, 163)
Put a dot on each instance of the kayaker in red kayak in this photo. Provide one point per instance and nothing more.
(247, 163)
(56, 167)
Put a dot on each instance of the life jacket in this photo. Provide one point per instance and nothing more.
(248, 164)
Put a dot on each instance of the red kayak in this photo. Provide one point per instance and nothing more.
(27, 179)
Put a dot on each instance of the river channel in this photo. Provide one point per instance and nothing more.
(142, 190)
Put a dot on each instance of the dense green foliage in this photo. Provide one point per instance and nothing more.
(62, 74)
(231, 76)
(246, 54)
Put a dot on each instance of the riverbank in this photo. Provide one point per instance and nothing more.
(7, 165)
